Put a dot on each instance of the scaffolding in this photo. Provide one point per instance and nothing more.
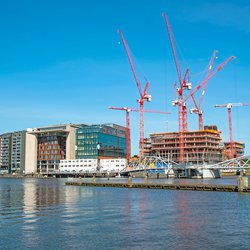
(203, 146)
(238, 149)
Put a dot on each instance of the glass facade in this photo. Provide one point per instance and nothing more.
(101, 141)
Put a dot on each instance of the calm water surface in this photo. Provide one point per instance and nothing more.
(46, 214)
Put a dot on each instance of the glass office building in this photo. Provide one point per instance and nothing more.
(100, 141)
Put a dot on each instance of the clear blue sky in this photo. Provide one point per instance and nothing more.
(61, 61)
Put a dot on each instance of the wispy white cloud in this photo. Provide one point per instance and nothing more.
(224, 14)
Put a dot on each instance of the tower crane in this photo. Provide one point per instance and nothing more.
(197, 110)
(144, 96)
(183, 85)
(128, 110)
(229, 109)
(203, 85)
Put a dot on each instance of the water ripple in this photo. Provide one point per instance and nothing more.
(46, 214)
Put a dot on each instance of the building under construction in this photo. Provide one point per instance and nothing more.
(238, 149)
(203, 146)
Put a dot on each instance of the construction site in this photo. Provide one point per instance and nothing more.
(200, 147)
(203, 146)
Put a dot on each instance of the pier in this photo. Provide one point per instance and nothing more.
(190, 187)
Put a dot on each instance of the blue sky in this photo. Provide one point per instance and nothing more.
(62, 61)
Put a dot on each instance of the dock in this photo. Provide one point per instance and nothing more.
(190, 187)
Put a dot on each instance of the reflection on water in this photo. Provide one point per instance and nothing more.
(184, 219)
(46, 214)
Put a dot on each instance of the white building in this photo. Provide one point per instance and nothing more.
(110, 165)
(92, 165)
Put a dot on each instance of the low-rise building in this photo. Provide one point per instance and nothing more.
(92, 165)
(110, 165)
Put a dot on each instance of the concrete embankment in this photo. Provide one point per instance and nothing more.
(193, 187)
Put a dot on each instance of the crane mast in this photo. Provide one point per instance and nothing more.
(182, 110)
(229, 110)
(143, 94)
(128, 138)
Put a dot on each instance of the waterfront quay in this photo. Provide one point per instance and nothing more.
(241, 187)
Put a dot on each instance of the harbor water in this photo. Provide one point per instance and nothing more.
(46, 214)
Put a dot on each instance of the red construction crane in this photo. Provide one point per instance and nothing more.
(203, 85)
(183, 85)
(143, 94)
(197, 110)
(229, 109)
(128, 110)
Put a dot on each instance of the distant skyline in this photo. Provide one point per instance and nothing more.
(63, 62)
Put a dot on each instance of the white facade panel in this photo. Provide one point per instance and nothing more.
(92, 165)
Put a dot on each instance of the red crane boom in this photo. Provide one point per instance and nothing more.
(128, 138)
(170, 34)
(209, 68)
(203, 85)
(182, 110)
(143, 94)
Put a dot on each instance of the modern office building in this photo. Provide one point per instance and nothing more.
(50, 145)
(100, 141)
(41, 149)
